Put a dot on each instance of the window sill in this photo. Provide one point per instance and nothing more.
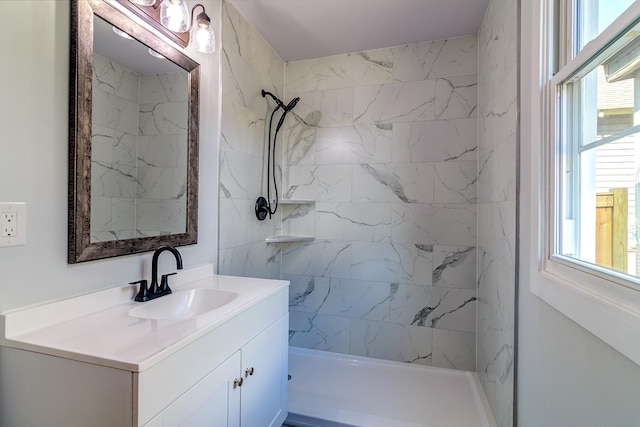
(606, 309)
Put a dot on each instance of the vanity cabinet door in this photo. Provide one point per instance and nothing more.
(265, 371)
(212, 402)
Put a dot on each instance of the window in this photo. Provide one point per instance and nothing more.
(597, 141)
(580, 151)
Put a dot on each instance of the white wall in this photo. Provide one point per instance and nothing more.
(566, 376)
(34, 42)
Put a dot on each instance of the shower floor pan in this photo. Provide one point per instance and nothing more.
(337, 390)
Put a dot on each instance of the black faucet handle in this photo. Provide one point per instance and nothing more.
(164, 283)
(143, 293)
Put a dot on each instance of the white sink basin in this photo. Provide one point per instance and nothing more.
(188, 303)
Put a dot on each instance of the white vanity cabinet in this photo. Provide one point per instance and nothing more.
(105, 368)
(249, 389)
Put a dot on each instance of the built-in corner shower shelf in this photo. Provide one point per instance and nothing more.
(289, 239)
(296, 202)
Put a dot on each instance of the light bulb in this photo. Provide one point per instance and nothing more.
(174, 15)
(156, 54)
(121, 33)
(144, 2)
(202, 35)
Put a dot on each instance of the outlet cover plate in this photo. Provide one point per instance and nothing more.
(20, 211)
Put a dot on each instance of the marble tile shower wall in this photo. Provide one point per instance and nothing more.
(161, 199)
(249, 65)
(385, 142)
(113, 157)
(139, 152)
(497, 205)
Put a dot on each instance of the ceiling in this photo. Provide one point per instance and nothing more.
(303, 29)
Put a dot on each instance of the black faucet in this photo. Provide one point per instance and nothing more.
(155, 290)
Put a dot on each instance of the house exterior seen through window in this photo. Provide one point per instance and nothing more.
(597, 137)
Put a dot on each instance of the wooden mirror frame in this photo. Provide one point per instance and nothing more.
(80, 248)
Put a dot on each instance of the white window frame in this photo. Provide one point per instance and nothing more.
(603, 302)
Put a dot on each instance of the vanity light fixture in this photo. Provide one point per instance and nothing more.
(174, 19)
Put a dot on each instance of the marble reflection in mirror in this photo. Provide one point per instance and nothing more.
(133, 137)
(139, 140)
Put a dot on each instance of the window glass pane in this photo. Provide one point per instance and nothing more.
(596, 15)
(599, 218)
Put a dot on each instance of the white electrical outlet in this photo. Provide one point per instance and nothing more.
(8, 227)
(13, 229)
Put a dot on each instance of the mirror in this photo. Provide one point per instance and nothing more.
(133, 126)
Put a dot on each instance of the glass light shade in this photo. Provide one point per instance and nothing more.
(174, 15)
(144, 2)
(203, 37)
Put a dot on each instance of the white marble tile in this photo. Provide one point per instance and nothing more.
(151, 120)
(103, 74)
(149, 183)
(497, 221)
(498, 73)
(109, 180)
(395, 102)
(234, 217)
(301, 76)
(114, 112)
(435, 141)
(353, 221)
(392, 262)
(433, 307)
(240, 175)
(302, 292)
(241, 129)
(396, 182)
(100, 214)
(391, 341)
(254, 260)
(102, 144)
(439, 224)
(164, 216)
(336, 107)
(354, 144)
(125, 146)
(440, 58)
(241, 83)
(454, 350)
(318, 258)
(299, 143)
(456, 97)
(299, 220)
(454, 266)
(314, 331)
(123, 214)
(355, 69)
(328, 183)
(162, 151)
(164, 88)
(355, 299)
(455, 182)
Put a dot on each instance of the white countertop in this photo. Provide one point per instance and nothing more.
(96, 327)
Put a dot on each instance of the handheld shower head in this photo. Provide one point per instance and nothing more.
(279, 103)
(292, 104)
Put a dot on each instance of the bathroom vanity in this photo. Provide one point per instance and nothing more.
(101, 360)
